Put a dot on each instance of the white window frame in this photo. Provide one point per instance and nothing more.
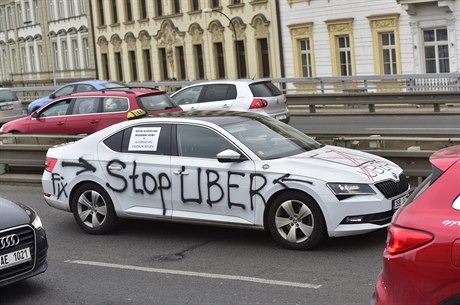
(9, 19)
(14, 60)
(436, 43)
(36, 9)
(24, 59)
(82, 7)
(65, 55)
(33, 67)
(61, 9)
(307, 54)
(52, 10)
(1, 19)
(71, 8)
(86, 54)
(20, 18)
(55, 50)
(391, 48)
(41, 63)
(347, 50)
(27, 11)
(76, 53)
(6, 64)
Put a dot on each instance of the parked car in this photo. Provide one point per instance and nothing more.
(223, 167)
(259, 96)
(23, 243)
(10, 106)
(88, 112)
(81, 86)
(421, 262)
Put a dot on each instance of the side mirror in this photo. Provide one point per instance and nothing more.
(52, 96)
(34, 115)
(229, 155)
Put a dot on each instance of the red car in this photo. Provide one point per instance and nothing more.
(421, 262)
(88, 112)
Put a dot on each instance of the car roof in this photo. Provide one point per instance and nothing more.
(218, 117)
(93, 81)
(136, 91)
(236, 81)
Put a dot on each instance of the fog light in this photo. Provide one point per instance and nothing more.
(354, 219)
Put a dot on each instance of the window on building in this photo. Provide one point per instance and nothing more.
(220, 60)
(129, 11)
(86, 54)
(100, 10)
(163, 63)
(33, 67)
(241, 59)
(9, 18)
(71, 7)
(199, 61)
(54, 48)
(65, 55)
(76, 54)
(27, 11)
(51, 9)
(143, 9)
(14, 60)
(36, 11)
(82, 7)
(19, 15)
(133, 64)
(5, 61)
(236, 1)
(24, 60)
(61, 9)
(119, 66)
(194, 5)
(215, 3)
(305, 57)
(41, 63)
(436, 49)
(147, 64)
(105, 66)
(176, 6)
(114, 11)
(181, 63)
(344, 51)
(1, 20)
(158, 8)
(263, 58)
(388, 53)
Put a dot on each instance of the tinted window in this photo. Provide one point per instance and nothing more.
(188, 96)
(7, 96)
(219, 92)
(152, 139)
(200, 142)
(115, 142)
(114, 104)
(86, 105)
(156, 102)
(264, 90)
(56, 109)
(63, 91)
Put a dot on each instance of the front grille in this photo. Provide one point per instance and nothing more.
(26, 239)
(392, 188)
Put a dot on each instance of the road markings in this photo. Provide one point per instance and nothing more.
(196, 274)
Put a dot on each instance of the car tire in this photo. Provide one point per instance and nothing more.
(296, 221)
(93, 209)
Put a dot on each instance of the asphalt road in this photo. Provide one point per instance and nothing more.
(411, 125)
(151, 262)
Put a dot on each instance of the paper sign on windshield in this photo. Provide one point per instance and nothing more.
(144, 138)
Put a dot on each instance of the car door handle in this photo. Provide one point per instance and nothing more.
(115, 168)
(192, 108)
(60, 123)
(225, 106)
(178, 172)
(94, 121)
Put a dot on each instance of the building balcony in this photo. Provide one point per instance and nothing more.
(409, 5)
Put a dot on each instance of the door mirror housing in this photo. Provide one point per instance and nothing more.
(229, 155)
(34, 115)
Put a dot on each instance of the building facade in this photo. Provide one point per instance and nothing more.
(142, 41)
(369, 37)
(45, 42)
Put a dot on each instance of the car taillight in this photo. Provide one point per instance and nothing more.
(258, 103)
(402, 239)
(49, 164)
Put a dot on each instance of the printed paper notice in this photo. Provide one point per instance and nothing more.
(144, 138)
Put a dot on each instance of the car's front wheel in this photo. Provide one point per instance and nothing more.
(93, 209)
(296, 221)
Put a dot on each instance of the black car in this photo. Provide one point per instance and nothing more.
(23, 243)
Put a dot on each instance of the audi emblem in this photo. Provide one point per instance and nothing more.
(9, 241)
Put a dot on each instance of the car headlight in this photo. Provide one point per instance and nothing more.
(350, 189)
(37, 223)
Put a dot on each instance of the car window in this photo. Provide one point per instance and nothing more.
(7, 96)
(156, 102)
(85, 105)
(188, 96)
(265, 89)
(55, 109)
(84, 88)
(200, 142)
(219, 92)
(114, 85)
(152, 139)
(114, 104)
(64, 91)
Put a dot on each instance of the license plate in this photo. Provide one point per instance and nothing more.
(14, 258)
(398, 202)
(280, 117)
(7, 107)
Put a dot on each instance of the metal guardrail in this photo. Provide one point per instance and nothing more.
(28, 152)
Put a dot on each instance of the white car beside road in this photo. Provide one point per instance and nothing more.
(232, 168)
(259, 96)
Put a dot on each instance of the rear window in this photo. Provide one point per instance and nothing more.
(156, 102)
(7, 96)
(435, 174)
(266, 89)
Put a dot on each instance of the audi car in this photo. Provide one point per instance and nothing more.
(236, 168)
(421, 262)
(23, 243)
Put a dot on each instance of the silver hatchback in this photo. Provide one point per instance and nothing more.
(10, 106)
(260, 96)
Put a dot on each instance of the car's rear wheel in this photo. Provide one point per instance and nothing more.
(296, 221)
(93, 209)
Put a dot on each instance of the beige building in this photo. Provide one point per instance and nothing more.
(140, 40)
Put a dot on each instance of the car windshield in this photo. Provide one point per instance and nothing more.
(270, 139)
(156, 102)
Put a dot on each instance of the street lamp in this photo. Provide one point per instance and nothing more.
(208, 10)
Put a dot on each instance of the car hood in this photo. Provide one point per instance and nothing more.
(12, 214)
(337, 164)
(20, 123)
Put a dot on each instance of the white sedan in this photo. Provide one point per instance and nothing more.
(232, 168)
